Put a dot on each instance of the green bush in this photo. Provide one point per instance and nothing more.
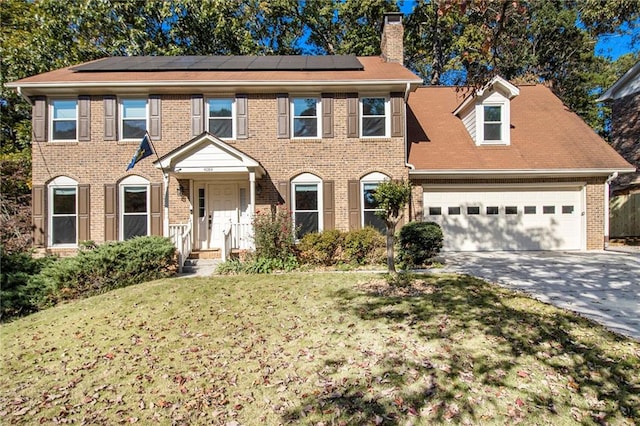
(273, 235)
(364, 246)
(17, 295)
(108, 266)
(321, 248)
(418, 242)
(257, 265)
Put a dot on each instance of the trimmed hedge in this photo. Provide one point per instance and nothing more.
(31, 284)
(418, 242)
(17, 295)
(321, 248)
(109, 266)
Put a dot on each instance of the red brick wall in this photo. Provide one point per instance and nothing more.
(101, 162)
(625, 135)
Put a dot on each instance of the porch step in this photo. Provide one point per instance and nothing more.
(200, 267)
(206, 254)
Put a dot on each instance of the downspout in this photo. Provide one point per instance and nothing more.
(406, 150)
(406, 139)
(606, 207)
(23, 96)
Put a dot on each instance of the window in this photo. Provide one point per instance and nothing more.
(220, 115)
(369, 184)
(454, 211)
(473, 210)
(548, 209)
(64, 208)
(133, 118)
(435, 211)
(511, 210)
(64, 115)
(306, 113)
(567, 209)
(201, 206)
(306, 206)
(134, 208)
(492, 123)
(374, 117)
(529, 209)
(492, 210)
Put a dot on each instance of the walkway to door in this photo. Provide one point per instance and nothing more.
(603, 285)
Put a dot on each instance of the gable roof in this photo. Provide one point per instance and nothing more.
(206, 153)
(546, 138)
(628, 84)
(71, 80)
(497, 83)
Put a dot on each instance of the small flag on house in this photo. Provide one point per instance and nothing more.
(143, 151)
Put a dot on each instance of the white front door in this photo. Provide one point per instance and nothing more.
(217, 206)
(222, 210)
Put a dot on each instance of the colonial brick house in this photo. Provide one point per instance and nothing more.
(502, 168)
(624, 97)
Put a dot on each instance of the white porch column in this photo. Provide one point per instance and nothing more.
(165, 216)
(252, 193)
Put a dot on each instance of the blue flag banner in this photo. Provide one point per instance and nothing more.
(143, 151)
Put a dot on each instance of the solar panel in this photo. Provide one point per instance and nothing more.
(221, 63)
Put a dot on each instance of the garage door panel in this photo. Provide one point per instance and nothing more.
(507, 219)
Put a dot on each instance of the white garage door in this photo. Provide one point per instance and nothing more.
(506, 218)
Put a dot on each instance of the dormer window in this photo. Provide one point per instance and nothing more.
(487, 113)
(492, 123)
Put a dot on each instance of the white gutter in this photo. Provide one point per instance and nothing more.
(518, 172)
(606, 207)
(211, 83)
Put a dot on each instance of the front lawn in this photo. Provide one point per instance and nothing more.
(336, 348)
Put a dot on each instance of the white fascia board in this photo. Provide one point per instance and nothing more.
(31, 88)
(621, 83)
(461, 174)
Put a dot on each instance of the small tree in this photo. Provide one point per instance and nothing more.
(392, 197)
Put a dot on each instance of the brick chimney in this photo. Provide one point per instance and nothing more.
(391, 45)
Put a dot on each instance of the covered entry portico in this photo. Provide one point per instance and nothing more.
(222, 192)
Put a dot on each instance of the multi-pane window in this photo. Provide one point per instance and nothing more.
(374, 117)
(64, 124)
(306, 117)
(306, 212)
(135, 212)
(220, 117)
(133, 118)
(492, 123)
(64, 215)
(370, 207)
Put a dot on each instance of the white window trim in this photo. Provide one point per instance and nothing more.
(234, 121)
(60, 182)
(318, 116)
(132, 180)
(307, 179)
(375, 178)
(121, 116)
(387, 115)
(51, 119)
(505, 133)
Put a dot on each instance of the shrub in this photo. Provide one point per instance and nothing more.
(273, 235)
(418, 242)
(364, 246)
(257, 265)
(17, 296)
(108, 266)
(321, 248)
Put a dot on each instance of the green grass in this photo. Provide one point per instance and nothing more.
(337, 348)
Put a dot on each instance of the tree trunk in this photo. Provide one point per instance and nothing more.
(390, 263)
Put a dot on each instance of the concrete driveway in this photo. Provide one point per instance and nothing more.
(602, 285)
